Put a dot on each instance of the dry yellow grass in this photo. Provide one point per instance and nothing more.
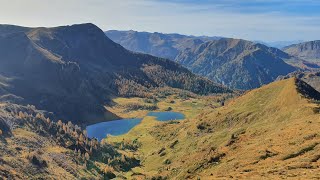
(268, 133)
(190, 106)
(24, 144)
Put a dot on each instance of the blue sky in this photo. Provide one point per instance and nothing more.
(292, 7)
(267, 20)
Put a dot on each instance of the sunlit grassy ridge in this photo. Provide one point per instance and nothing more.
(270, 132)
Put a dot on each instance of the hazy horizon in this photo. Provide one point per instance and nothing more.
(267, 21)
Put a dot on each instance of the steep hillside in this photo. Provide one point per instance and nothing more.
(271, 132)
(73, 71)
(236, 63)
(157, 44)
(309, 51)
(34, 147)
(27, 150)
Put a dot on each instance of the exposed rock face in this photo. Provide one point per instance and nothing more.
(309, 51)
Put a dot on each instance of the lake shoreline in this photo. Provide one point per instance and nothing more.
(122, 126)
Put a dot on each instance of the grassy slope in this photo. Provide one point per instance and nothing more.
(189, 107)
(18, 149)
(34, 148)
(26, 141)
(178, 100)
(269, 132)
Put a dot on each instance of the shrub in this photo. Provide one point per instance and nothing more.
(216, 159)
(38, 162)
(108, 172)
(161, 150)
(163, 154)
(268, 154)
(201, 126)
(173, 144)
(232, 140)
(204, 125)
(167, 161)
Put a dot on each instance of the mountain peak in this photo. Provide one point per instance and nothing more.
(309, 51)
(85, 29)
(80, 27)
(79, 42)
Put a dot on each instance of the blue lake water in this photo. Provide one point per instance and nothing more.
(116, 127)
(166, 116)
(123, 126)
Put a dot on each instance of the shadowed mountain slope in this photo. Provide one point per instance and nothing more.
(74, 70)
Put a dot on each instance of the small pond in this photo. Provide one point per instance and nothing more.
(123, 126)
(166, 116)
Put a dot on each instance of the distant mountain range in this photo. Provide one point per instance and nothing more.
(279, 44)
(235, 63)
(309, 51)
(73, 71)
(157, 44)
